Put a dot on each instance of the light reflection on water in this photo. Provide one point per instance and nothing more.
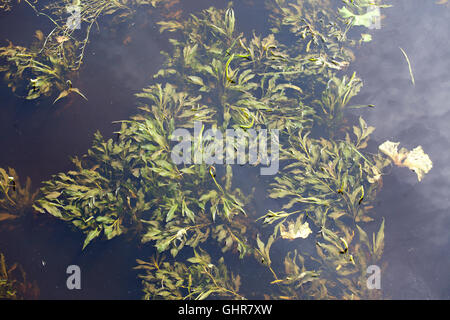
(417, 214)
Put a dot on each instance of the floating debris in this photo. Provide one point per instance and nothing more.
(416, 160)
(409, 66)
(295, 230)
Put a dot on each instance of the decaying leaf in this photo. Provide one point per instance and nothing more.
(376, 175)
(365, 19)
(416, 160)
(61, 39)
(295, 230)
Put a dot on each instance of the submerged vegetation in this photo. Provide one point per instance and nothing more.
(15, 200)
(50, 64)
(14, 284)
(216, 75)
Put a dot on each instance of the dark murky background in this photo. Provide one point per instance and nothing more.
(38, 139)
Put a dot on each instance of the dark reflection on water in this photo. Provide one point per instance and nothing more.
(38, 140)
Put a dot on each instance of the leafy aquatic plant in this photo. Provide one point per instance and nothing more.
(140, 159)
(5, 5)
(321, 34)
(335, 100)
(340, 267)
(47, 72)
(333, 182)
(254, 82)
(15, 200)
(332, 185)
(132, 184)
(243, 80)
(46, 67)
(13, 286)
(198, 280)
(215, 75)
(319, 28)
(328, 177)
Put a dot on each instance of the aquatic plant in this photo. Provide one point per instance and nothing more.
(321, 32)
(243, 80)
(329, 175)
(323, 45)
(327, 184)
(354, 177)
(48, 73)
(332, 185)
(15, 200)
(198, 280)
(132, 184)
(5, 5)
(339, 267)
(13, 286)
(143, 153)
(335, 100)
(49, 64)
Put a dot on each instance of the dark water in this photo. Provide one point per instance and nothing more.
(38, 139)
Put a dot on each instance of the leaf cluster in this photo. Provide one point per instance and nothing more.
(198, 279)
(15, 199)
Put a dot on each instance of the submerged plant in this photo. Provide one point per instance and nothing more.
(13, 286)
(197, 280)
(15, 200)
(132, 184)
(328, 177)
(5, 5)
(46, 67)
(217, 76)
(320, 30)
(47, 73)
(332, 185)
(332, 182)
(339, 270)
(241, 79)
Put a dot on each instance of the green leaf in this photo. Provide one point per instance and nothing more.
(91, 236)
(196, 80)
(171, 212)
(63, 94)
(204, 295)
(365, 20)
(363, 237)
(379, 243)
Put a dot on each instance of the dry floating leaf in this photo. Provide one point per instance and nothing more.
(295, 230)
(416, 160)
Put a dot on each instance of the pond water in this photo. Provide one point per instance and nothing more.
(38, 138)
(416, 115)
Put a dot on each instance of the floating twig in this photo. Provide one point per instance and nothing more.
(409, 66)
